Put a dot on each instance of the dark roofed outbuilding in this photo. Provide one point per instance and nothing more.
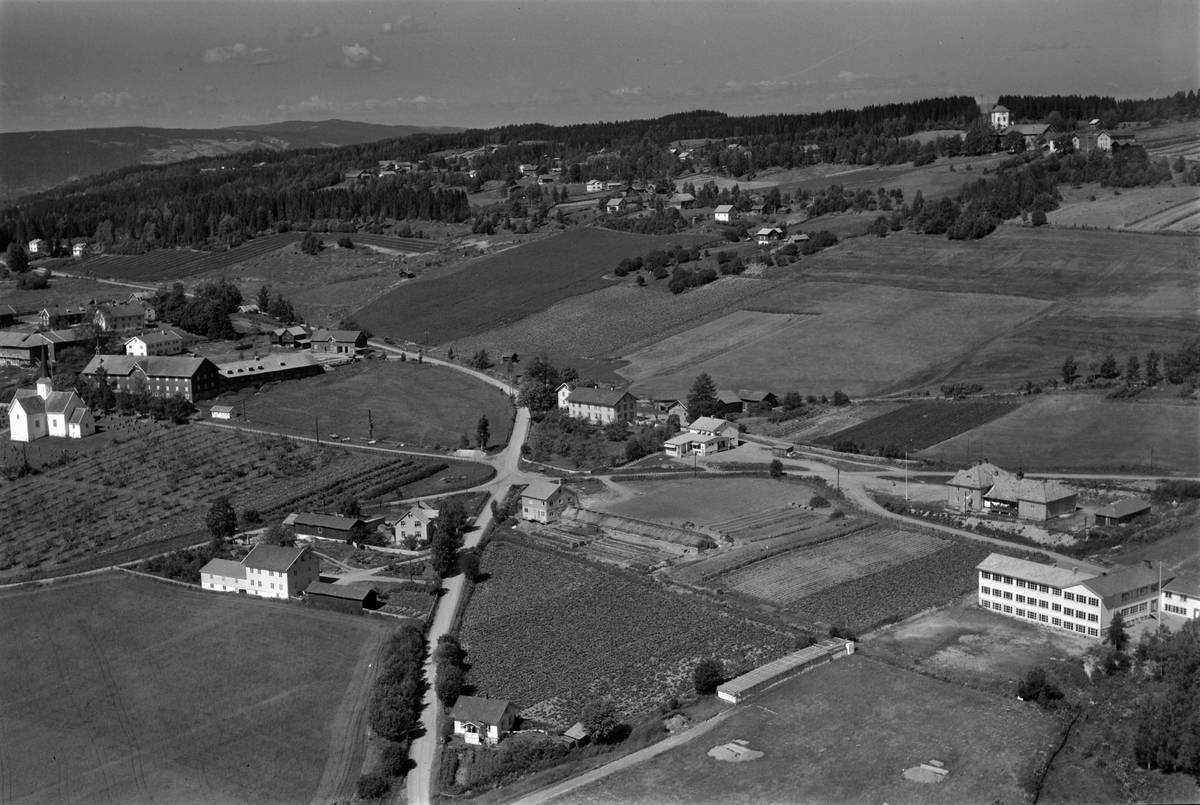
(351, 598)
(1122, 511)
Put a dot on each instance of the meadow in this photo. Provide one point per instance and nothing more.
(1079, 431)
(419, 405)
(921, 424)
(846, 732)
(506, 287)
(818, 337)
(62, 291)
(207, 700)
(1137, 208)
(149, 492)
(552, 633)
(703, 501)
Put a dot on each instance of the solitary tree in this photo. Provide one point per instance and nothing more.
(221, 519)
(264, 298)
(1116, 636)
(600, 719)
(702, 399)
(277, 534)
(311, 244)
(1070, 370)
(1153, 375)
(776, 468)
(18, 261)
(707, 675)
(482, 432)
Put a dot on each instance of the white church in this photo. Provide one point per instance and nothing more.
(46, 412)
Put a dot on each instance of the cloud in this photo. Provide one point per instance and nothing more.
(1035, 47)
(768, 84)
(240, 54)
(621, 91)
(422, 99)
(357, 57)
(406, 25)
(100, 100)
(845, 77)
(311, 104)
(315, 32)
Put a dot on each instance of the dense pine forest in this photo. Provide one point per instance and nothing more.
(216, 203)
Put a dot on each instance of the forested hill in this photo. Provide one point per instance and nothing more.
(37, 160)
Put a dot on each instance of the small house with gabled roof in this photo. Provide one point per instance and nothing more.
(416, 524)
(224, 576)
(325, 526)
(544, 502)
(725, 213)
(1030, 498)
(349, 342)
(1121, 511)
(273, 571)
(483, 722)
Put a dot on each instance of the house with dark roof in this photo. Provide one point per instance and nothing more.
(967, 486)
(483, 722)
(347, 342)
(753, 399)
(988, 488)
(271, 368)
(1121, 511)
(682, 201)
(120, 318)
(296, 337)
(1108, 140)
(544, 502)
(159, 375)
(273, 571)
(729, 402)
(768, 235)
(57, 340)
(22, 349)
(601, 406)
(349, 598)
(53, 317)
(1034, 134)
(325, 526)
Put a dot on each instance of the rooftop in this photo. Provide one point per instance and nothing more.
(796, 659)
(272, 557)
(1183, 585)
(350, 592)
(326, 521)
(540, 490)
(479, 710)
(981, 476)
(1124, 580)
(225, 567)
(603, 397)
(710, 423)
(1050, 575)
(1123, 508)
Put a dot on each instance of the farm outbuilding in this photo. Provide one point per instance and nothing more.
(783, 669)
(324, 526)
(350, 598)
(1121, 511)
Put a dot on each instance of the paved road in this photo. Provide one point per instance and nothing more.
(424, 749)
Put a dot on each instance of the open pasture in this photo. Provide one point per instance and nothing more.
(173, 264)
(208, 699)
(552, 633)
(417, 404)
(1135, 208)
(1120, 292)
(614, 320)
(921, 424)
(1079, 432)
(702, 501)
(62, 291)
(506, 287)
(846, 732)
(787, 578)
(817, 337)
(150, 492)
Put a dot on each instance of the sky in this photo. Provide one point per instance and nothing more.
(68, 64)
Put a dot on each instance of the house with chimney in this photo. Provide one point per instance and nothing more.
(987, 488)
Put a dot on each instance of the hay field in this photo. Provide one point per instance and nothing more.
(1118, 292)
(1135, 207)
(702, 501)
(211, 698)
(1081, 432)
(845, 732)
(62, 291)
(820, 336)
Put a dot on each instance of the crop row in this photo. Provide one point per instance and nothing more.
(790, 577)
(898, 591)
(921, 425)
(552, 633)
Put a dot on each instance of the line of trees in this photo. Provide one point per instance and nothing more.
(1181, 367)
(396, 704)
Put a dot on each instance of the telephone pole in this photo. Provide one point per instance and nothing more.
(317, 429)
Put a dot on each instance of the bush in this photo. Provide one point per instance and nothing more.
(776, 468)
(394, 760)
(838, 630)
(818, 502)
(345, 243)
(1038, 218)
(1035, 687)
(707, 675)
(840, 398)
(372, 786)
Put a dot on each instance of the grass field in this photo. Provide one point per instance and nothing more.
(816, 337)
(704, 501)
(921, 424)
(417, 404)
(1080, 432)
(206, 700)
(1134, 208)
(845, 732)
(506, 287)
(552, 632)
(149, 492)
(62, 291)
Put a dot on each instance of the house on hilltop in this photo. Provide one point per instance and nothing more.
(483, 722)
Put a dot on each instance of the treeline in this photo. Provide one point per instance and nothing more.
(395, 705)
(1083, 108)
(1179, 368)
(206, 313)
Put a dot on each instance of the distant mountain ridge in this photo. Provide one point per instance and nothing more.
(38, 160)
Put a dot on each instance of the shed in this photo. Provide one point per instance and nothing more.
(351, 598)
(763, 677)
(781, 451)
(1122, 511)
(577, 735)
(223, 412)
(325, 526)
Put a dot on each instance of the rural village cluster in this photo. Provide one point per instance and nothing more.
(196, 437)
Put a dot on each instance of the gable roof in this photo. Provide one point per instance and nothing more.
(153, 366)
(729, 397)
(1049, 575)
(589, 396)
(339, 336)
(268, 363)
(1011, 489)
(350, 592)
(711, 423)
(224, 567)
(750, 395)
(479, 710)
(541, 490)
(422, 512)
(78, 416)
(1127, 579)
(1030, 129)
(275, 558)
(724, 208)
(122, 309)
(1183, 585)
(326, 521)
(29, 401)
(1123, 508)
(10, 340)
(981, 476)
(58, 401)
(158, 337)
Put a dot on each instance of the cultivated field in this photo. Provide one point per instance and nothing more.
(208, 699)
(816, 337)
(149, 493)
(62, 291)
(614, 320)
(418, 404)
(1133, 208)
(1081, 432)
(921, 424)
(1115, 292)
(705, 502)
(551, 633)
(846, 732)
(506, 287)
(788, 578)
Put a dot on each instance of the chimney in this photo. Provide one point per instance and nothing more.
(1074, 571)
(1149, 565)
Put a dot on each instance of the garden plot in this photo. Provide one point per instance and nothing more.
(702, 501)
(787, 578)
(776, 522)
(619, 548)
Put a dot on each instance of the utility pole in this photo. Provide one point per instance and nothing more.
(906, 473)
(839, 480)
(317, 429)
(370, 426)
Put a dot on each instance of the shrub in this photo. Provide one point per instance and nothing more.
(345, 243)
(1035, 687)
(776, 468)
(1038, 218)
(707, 675)
(838, 630)
(394, 760)
(818, 502)
(840, 398)
(372, 786)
